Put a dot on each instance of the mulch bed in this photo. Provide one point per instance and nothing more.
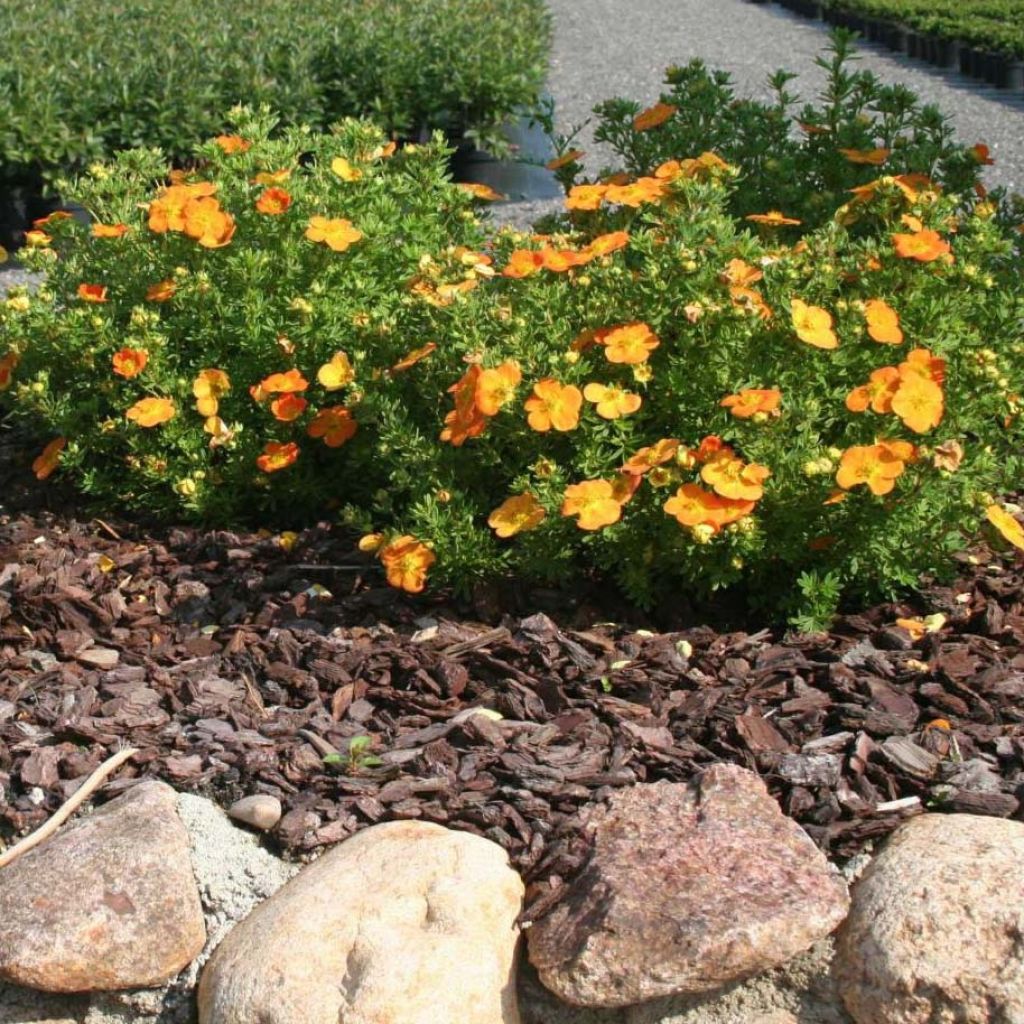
(235, 666)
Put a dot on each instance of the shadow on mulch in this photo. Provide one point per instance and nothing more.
(236, 666)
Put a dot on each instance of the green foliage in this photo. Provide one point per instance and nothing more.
(357, 757)
(790, 159)
(990, 24)
(419, 312)
(81, 80)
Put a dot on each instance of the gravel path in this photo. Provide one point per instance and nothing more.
(605, 48)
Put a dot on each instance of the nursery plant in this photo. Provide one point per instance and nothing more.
(660, 391)
(80, 80)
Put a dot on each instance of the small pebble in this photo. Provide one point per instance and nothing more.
(261, 811)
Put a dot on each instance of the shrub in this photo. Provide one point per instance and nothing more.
(663, 392)
(80, 80)
(801, 162)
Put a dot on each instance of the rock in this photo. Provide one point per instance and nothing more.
(406, 921)
(261, 811)
(936, 927)
(687, 887)
(110, 902)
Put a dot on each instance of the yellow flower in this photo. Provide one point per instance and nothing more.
(337, 373)
(516, 515)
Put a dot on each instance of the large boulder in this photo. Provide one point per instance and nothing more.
(110, 902)
(936, 929)
(687, 887)
(406, 922)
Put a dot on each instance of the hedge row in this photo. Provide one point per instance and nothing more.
(996, 25)
(80, 80)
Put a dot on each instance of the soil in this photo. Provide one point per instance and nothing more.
(237, 664)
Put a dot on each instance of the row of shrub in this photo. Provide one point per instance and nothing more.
(81, 80)
(660, 387)
(996, 25)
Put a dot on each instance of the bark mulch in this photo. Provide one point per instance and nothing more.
(236, 665)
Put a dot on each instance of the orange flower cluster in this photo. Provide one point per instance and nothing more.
(740, 276)
(912, 390)
(878, 466)
(192, 210)
(527, 262)
(406, 561)
(479, 395)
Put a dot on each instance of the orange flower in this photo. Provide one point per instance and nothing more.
(130, 362)
(110, 230)
(874, 465)
(923, 363)
(813, 325)
(918, 402)
(593, 501)
(523, 263)
(336, 374)
(465, 420)
(344, 170)
(560, 260)
(636, 193)
(905, 451)
(516, 515)
(288, 407)
(612, 403)
(751, 401)
(604, 245)
(273, 177)
(628, 343)
(653, 455)
(731, 477)
(877, 393)
(51, 218)
(413, 357)
(480, 191)
(741, 273)
(232, 144)
(8, 364)
(283, 383)
(92, 293)
(496, 387)
(1007, 525)
(883, 322)
(48, 460)
(624, 486)
(161, 291)
(585, 197)
(337, 234)
(37, 239)
(948, 456)
(208, 388)
(406, 561)
(273, 201)
(207, 223)
(654, 116)
(750, 300)
(692, 506)
(151, 412)
(553, 405)
(980, 153)
(564, 160)
(167, 211)
(923, 246)
(772, 219)
(335, 425)
(277, 456)
(875, 157)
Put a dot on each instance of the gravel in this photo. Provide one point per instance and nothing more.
(604, 48)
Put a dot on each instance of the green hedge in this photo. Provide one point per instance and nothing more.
(990, 24)
(80, 80)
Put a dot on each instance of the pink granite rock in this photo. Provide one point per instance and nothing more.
(110, 902)
(687, 887)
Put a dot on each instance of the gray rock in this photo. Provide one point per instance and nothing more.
(936, 929)
(687, 888)
(406, 921)
(110, 902)
(261, 810)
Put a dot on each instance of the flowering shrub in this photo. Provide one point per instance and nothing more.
(80, 80)
(802, 163)
(662, 391)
